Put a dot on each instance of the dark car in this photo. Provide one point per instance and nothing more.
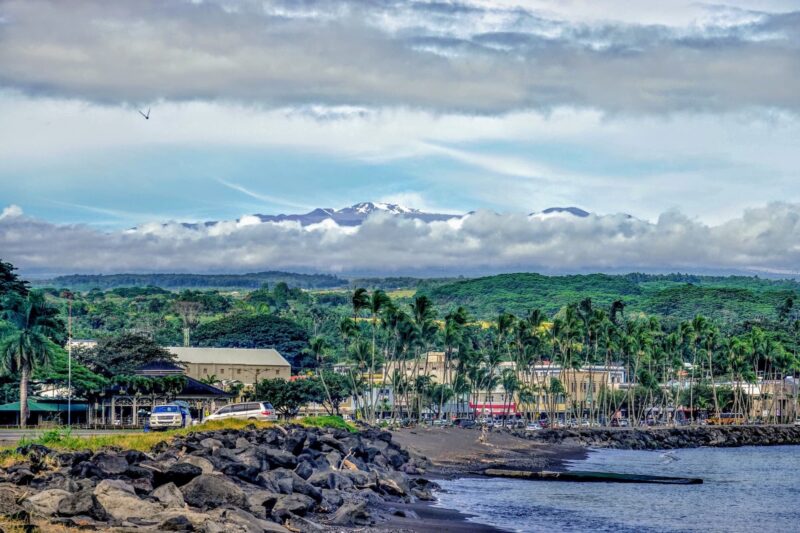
(464, 423)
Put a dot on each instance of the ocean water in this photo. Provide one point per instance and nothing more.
(745, 489)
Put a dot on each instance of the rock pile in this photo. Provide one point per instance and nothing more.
(251, 480)
(668, 438)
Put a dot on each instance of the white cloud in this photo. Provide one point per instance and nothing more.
(445, 57)
(763, 239)
(11, 211)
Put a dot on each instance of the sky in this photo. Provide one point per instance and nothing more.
(674, 123)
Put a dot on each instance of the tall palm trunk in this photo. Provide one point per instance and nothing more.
(23, 396)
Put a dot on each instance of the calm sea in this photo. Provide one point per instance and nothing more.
(745, 489)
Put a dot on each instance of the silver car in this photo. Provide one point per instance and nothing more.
(262, 411)
(170, 417)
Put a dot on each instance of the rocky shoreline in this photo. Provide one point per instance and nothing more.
(666, 438)
(251, 480)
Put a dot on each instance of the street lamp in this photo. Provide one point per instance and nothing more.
(68, 296)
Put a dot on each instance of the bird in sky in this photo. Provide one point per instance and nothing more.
(146, 116)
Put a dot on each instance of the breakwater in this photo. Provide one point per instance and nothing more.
(667, 438)
(277, 480)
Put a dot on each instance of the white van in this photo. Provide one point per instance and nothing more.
(261, 411)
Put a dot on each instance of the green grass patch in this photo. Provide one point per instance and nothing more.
(65, 440)
(335, 422)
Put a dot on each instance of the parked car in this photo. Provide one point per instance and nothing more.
(170, 416)
(619, 422)
(261, 411)
(464, 422)
(533, 426)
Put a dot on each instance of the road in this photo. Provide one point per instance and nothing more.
(9, 437)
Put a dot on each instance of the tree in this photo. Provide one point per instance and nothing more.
(122, 355)
(338, 390)
(10, 281)
(287, 396)
(188, 311)
(243, 330)
(28, 346)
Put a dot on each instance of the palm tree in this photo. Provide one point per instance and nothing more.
(510, 384)
(453, 336)
(377, 302)
(28, 346)
(317, 347)
(211, 379)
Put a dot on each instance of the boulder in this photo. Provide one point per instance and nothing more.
(181, 473)
(176, 523)
(393, 483)
(278, 481)
(202, 463)
(209, 491)
(119, 500)
(291, 504)
(277, 458)
(352, 514)
(9, 502)
(239, 520)
(294, 443)
(304, 470)
(170, 495)
(45, 503)
(110, 464)
(81, 503)
(211, 443)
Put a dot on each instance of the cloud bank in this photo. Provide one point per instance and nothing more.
(764, 239)
(468, 56)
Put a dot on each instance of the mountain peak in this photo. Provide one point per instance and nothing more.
(574, 211)
(366, 208)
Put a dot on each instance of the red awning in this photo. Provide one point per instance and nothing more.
(494, 408)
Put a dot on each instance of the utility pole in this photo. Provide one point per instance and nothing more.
(68, 296)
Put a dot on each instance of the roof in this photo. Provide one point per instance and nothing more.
(231, 356)
(49, 407)
(159, 368)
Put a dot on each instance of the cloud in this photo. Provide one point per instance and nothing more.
(263, 197)
(11, 211)
(763, 239)
(473, 57)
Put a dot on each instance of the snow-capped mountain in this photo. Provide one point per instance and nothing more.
(356, 214)
(555, 211)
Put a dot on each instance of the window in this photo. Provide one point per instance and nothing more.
(238, 370)
(205, 371)
(221, 370)
(238, 408)
(277, 372)
(224, 410)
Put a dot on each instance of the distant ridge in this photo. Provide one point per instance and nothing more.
(194, 281)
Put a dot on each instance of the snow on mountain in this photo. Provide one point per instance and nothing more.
(358, 213)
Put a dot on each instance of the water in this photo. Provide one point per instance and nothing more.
(745, 489)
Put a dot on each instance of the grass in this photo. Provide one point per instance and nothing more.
(335, 422)
(63, 439)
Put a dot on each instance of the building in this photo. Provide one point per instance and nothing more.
(43, 412)
(245, 365)
(121, 406)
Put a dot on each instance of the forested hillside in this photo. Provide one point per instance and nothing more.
(675, 296)
(194, 281)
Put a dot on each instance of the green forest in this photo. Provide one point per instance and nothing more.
(730, 328)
